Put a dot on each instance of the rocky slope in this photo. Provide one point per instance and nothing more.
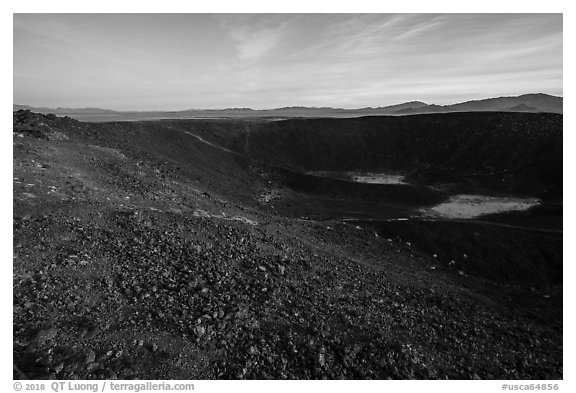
(143, 252)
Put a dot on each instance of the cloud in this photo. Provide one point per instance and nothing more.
(255, 36)
(418, 29)
(266, 60)
(254, 45)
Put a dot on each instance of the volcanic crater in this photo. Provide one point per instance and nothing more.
(259, 248)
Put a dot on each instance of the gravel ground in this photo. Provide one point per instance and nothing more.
(124, 268)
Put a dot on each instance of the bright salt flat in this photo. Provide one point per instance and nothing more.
(377, 178)
(471, 206)
(362, 177)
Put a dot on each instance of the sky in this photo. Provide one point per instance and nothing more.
(261, 61)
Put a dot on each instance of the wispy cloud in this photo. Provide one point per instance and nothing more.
(255, 37)
(419, 28)
(266, 60)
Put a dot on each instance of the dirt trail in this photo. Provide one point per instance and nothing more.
(207, 143)
(468, 221)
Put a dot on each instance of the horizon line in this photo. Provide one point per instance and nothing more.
(284, 107)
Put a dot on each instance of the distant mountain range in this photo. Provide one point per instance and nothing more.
(523, 103)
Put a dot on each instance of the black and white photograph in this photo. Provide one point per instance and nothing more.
(287, 196)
